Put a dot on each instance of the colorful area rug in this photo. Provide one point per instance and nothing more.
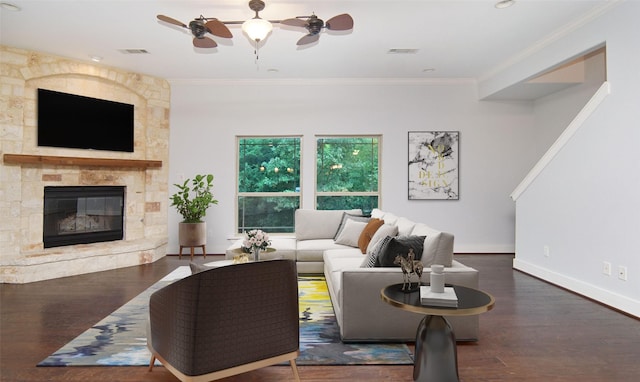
(120, 338)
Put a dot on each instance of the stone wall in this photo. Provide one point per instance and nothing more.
(23, 257)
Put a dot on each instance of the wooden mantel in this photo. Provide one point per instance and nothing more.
(77, 161)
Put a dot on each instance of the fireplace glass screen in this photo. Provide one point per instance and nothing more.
(82, 215)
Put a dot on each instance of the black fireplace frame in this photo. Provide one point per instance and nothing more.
(56, 240)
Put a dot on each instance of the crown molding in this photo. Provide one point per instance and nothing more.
(324, 81)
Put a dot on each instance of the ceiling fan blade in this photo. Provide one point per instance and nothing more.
(341, 22)
(204, 42)
(294, 22)
(217, 28)
(308, 39)
(170, 20)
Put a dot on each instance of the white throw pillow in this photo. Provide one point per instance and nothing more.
(438, 246)
(347, 216)
(350, 233)
(382, 232)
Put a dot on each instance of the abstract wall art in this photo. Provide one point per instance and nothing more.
(434, 165)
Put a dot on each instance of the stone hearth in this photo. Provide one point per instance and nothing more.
(23, 257)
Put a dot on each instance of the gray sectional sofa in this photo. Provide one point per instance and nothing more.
(332, 243)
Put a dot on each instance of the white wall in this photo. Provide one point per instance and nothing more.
(553, 113)
(585, 205)
(494, 145)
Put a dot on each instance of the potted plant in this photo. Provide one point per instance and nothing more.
(192, 200)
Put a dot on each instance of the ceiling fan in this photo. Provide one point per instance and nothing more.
(199, 28)
(314, 26)
(202, 26)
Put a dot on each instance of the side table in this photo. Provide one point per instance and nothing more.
(436, 357)
(240, 251)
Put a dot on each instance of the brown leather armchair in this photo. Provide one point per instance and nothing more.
(226, 321)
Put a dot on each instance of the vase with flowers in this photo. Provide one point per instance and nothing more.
(255, 241)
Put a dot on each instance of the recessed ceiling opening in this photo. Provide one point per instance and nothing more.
(402, 51)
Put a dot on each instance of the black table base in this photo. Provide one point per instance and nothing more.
(436, 357)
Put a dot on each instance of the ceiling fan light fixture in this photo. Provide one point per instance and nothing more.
(257, 29)
(504, 4)
(10, 7)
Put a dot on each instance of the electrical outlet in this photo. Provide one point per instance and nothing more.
(606, 268)
(546, 251)
(622, 273)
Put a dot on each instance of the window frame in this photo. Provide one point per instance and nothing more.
(318, 194)
(239, 194)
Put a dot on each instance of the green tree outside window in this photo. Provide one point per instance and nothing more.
(268, 183)
(347, 173)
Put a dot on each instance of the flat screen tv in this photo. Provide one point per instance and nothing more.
(74, 121)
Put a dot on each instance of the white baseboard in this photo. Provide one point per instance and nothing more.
(484, 248)
(614, 300)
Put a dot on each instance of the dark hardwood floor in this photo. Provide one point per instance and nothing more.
(536, 332)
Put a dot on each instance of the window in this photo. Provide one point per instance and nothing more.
(268, 183)
(347, 173)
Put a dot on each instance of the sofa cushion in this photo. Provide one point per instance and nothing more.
(377, 213)
(347, 217)
(438, 246)
(350, 233)
(319, 224)
(390, 218)
(382, 232)
(312, 250)
(337, 260)
(367, 233)
(405, 226)
(399, 246)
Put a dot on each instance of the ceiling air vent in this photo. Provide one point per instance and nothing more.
(134, 51)
(402, 51)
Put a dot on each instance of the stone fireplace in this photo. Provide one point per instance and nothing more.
(28, 170)
(82, 215)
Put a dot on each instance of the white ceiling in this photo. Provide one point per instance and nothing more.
(457, 38)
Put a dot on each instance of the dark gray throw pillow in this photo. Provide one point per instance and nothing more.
(372, 255)
(399, 246)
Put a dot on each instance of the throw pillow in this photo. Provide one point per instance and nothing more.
(350, 233)
(438, 246)
(197, 268)
(346, 217)
(319, 224)
(368, 232)
(381, 233)
(372, 254)
(399, 246)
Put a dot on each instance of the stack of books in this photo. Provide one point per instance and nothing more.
(447, 299)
